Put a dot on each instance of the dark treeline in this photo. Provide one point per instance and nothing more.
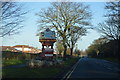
(104, 48)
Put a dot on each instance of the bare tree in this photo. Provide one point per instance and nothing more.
(63, 15)
(11, 18)
(75, 34)
(110, 28)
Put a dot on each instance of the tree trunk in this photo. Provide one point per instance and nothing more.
(65, 49)
(117, 49)
(71, 52)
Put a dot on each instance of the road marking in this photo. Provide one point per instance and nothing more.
(67, 76)
(109, 68)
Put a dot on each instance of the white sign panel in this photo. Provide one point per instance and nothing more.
(48, 54)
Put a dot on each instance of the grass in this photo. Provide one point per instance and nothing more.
(112, 59)
(43, 72)
(70, 62)
(12, 62)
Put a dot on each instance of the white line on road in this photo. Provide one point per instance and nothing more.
(71, 71)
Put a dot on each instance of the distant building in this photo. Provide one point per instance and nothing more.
(27, 49)
(9, 48)
(21, 48)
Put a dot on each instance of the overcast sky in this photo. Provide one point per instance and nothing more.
(28, 33)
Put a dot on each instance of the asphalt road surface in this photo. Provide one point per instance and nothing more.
(95, 68)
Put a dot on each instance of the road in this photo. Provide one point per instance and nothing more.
(94, 68)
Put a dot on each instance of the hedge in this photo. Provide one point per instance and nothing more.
(6, 55)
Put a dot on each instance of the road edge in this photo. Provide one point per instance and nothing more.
(68, 74)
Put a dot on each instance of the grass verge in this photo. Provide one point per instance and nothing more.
(12, 62)
(112, 59)
(43, 72)
(25, 72)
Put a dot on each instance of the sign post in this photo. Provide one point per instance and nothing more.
(47, 38)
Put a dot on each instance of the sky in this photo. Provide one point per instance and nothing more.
(28, 32)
